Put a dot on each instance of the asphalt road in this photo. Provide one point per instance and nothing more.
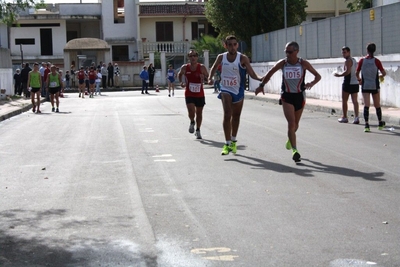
(118, 181)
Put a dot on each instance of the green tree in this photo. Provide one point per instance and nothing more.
(356, 5)
(210, 43)
(245, 18)
(9, 9)
(213, 45)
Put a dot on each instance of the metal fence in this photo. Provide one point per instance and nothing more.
(325, 38)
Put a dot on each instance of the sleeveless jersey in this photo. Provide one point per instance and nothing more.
(35, 80)
(351, 78)
(92, 75)
(54, 80)
(369, 71)
(81, 75)
(233, 75)
(293, 77)
(194, 82)
(171, 75)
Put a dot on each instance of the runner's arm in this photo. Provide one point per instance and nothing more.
(268, 76)
(317, 76)
(214, 67)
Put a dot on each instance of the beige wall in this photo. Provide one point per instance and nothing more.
(326, 6)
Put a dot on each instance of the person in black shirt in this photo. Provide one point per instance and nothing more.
(24, 80)
(110, 70)
(151, 71)
(17, 83)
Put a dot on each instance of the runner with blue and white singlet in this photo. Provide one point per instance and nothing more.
(233, 81)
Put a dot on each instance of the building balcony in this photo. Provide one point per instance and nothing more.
(170, 48)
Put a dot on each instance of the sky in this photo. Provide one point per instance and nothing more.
(96, 1)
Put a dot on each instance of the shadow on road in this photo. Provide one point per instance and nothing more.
(219, 144)
(314, 168)
(52, 238)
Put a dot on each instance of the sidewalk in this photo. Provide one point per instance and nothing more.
(10, 108)
(14, 106)
(390, 115)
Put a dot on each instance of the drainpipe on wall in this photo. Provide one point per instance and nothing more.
(337, 8)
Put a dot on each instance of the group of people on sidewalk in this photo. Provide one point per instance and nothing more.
(233, 66)
(91, 78)
(147, 76)
(41, 81)
(370, 79)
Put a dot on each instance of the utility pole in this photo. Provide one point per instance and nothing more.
(22, 54)
(284, 12)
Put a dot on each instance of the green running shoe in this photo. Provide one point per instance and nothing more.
(366, 128)
(296, 156)
(288, 145)
(233, 147)
(225, 150)
(381, 125)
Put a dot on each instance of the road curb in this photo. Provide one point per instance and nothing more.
(334, 111)
(18, 111)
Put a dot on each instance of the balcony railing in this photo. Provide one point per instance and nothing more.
(167, 47)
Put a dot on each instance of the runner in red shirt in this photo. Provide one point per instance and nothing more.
(92, 80)
(195, 75)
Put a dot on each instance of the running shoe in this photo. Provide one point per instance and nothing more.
(169, 95)
(233, 147)
(53, 109)
(366, 128)
(57, 110)
(296, 156)
(198, 134)
(288, 145)
(38, 112)
(381, 125)
(191, 127)
(343, 120)
(34, 109)
(225, 150)
(79, 94)
(356, 120)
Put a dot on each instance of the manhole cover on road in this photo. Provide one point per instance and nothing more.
(351, 263)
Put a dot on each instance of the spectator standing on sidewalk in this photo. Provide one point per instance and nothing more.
(293, 97)
(104, 74)
(98, 81)
(17, 82)
(72, 71)
(46, 74)
(152, 72)
(233, 83)
(110, 73)
(35, 86)
(24, 79)
(195, 74)
(117, 73)
(369, 81)
(144, 75)
(42, 70)
(217, 80)
(350, 86)
(67, 80)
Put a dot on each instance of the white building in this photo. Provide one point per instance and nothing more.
(168, 28)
